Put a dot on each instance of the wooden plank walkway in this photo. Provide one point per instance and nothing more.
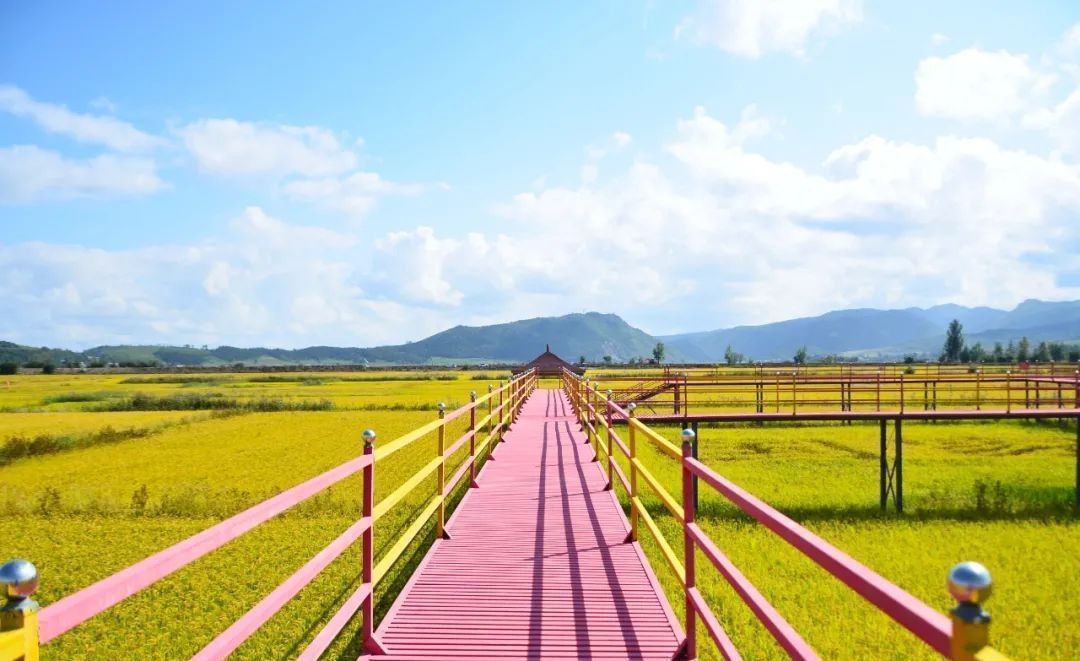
(536, 566)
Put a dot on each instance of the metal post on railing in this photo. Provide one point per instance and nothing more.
(19, 614)
(610, 455)
(793, 393)
(1008, 391)
(440, 475)
(970, 586)
(367, 548)
(631, 439)
(978, 389)
(490, 423)
(689, 511)
(878, 397)
(472, 441)
(502, 410)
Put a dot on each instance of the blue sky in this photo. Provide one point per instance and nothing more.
(360, 173)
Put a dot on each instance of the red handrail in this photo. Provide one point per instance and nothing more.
(74, 609)
(922, 620)
(932, 627)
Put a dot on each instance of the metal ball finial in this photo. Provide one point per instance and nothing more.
(472, 395)
(688, 435)
(442, 406)
(631, 406)
(969, 583)
(369, 437)
(19, 579)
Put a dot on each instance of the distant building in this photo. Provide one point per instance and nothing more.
(548, 364)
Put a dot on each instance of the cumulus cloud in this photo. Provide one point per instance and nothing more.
(30, 174)
(752, 28)
(97, 129)
(714, 232)
(974, 84)
(234, 148)
(354, 194)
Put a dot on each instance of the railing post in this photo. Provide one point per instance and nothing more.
(1008, 391)
(440, 476)
(502, 410)
(610, 440)
(472, 441)
(490, 423)
(884, 465)
(19, 580)
(970, 586)
(794, 393)
(978, 389)
(367, 548)
(898, 465)
(631, 438)
(689, 511)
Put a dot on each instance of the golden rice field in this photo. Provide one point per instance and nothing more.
(98, 483)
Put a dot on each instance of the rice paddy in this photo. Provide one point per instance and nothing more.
(999, 493)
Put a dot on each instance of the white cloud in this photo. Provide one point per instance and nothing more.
(752, 28)
(975, 84)
(1061, 122)
(718, 233)
(353, 195)
(622, 139)
(938, 39)
(1069, 46)
(234, 148)
(97, 129)
(29, 173)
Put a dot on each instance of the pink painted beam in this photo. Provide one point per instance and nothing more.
(76, 608)
(249, 623)
(348, 609)
(931, 626)
(719, 636)
(783, 632)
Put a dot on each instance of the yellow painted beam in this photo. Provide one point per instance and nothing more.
(665, 548)
(402, 491)
(665, 497)
(403, 542)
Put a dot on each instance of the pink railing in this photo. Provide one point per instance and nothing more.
(963, 636)
(74, 609)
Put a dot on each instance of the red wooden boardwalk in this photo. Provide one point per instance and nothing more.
(536, 566)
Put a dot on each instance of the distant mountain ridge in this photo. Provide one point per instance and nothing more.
(873, 333)
(864, 333)
(593, 335)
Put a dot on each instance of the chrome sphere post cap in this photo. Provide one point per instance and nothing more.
(18, 579)
(442, 406)
(969, 583)
(688, 435)
(368, 436)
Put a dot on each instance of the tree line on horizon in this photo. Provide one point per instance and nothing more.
(956, 350)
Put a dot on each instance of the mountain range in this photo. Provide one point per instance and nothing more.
(865, 333)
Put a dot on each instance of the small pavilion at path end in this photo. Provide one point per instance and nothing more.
(548, 364)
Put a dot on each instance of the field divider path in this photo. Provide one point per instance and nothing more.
(537, 565)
